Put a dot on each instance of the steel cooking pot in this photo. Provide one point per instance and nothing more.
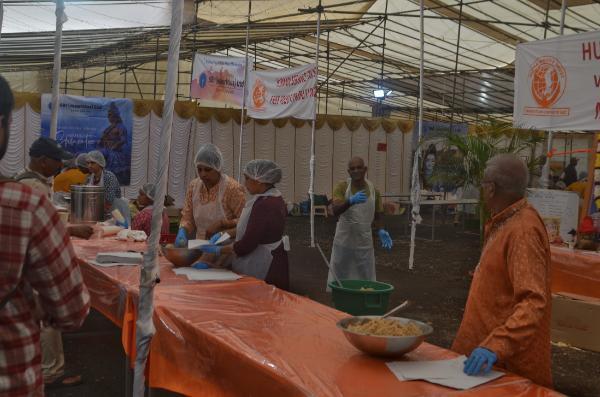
(87, 204)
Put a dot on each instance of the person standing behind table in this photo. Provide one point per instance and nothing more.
(143, 219)
(36, 255)
(358, 205)
(75, 174)
(46, 159)
(99, 176)
(260, 246)
(213, 201)
(507, 316)
(569, 175)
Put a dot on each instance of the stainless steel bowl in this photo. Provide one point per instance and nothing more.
(385, 346)
(181, 257)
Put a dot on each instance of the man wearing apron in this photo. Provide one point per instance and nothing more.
(213, 201)
(357, 203)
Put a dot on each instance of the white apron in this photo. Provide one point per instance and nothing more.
(209, 213)
(352, 255)
(258, 262)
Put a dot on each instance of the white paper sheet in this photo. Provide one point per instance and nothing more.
(443, 372)
(111, 264)
(199, 243)
(119, 257)
(207, 274)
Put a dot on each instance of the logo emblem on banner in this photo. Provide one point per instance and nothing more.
(259, 94)
(548, 80)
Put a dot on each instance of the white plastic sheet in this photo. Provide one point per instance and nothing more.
(285, 158)
(324, 161)
(12, 162)
(342, 152)
(223, 138)
(302, 180)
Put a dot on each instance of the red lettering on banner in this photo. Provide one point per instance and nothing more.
(590, 49)
(597, 110)
(597, 80)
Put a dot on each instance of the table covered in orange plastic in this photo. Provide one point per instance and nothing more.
(576, 271)
(247, 338)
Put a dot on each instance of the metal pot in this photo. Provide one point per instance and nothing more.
(87, 204)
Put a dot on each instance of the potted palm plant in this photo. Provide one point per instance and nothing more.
(475, 149)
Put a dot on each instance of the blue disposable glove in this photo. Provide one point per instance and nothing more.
(386, 240)
(200, 266)
(481, 360)
(211, 249)
(215, 238)
(123, 224)
(181, 241)
(358, 198)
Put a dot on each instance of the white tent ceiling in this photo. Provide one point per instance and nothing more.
(365, 44)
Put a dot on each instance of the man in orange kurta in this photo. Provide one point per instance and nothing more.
(507, 317)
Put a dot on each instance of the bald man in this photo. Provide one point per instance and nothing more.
(357, 204)
(507, 317)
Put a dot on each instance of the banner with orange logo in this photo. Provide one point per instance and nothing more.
(557, 83)
(218, 80)
(282, 93)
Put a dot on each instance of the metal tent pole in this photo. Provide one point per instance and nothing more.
(312, 135)
(149, 273)
(242, 115)
(415, 193)
(545, 179)
(61, 18)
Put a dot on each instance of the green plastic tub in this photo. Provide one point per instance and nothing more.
(352, 300)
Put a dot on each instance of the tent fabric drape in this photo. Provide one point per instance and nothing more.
(14, 159)
(186, 109)
(139, 155)
(285, 158)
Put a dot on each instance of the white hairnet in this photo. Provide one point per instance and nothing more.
(265, 171)
(97, 157)
(210, 156)
(149, 190)
(81, 160)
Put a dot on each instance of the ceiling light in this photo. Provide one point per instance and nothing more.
(379, 93)
(388, 93)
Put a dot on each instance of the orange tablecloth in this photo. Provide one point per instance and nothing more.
(576, 271)
(249, 338)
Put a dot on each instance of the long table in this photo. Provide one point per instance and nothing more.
(575, 271)
(248, 338)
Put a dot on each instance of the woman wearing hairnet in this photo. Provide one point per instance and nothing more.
(213, 201)
(260, 246)
(143, 219)
(101, 177)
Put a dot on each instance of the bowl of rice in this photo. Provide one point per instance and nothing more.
(385, 337)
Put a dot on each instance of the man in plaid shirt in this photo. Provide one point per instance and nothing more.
(36, 254)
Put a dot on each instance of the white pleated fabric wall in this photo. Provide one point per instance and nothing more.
(324, 161)
(342, 152)
(33, 127)
(286, 159)
(14, 159)
(360, 144)
(264, 141)
(302, 172)
(407, 160)
(201, 134)
(180, 141)
(154, 146)
(139, 155)
(394, 166)
(248, 149)
(222, 135)
(377, 159)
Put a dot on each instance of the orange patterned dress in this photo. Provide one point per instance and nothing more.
(509, 305)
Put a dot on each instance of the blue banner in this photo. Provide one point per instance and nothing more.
(86, 124)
